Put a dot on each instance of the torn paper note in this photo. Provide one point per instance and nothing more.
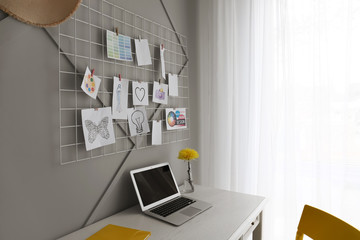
(162, 59)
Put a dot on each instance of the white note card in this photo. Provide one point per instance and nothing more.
(142, 52)
(156, 137)
(162, 50)
(173, 85)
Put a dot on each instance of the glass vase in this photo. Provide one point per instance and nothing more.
(188, 182)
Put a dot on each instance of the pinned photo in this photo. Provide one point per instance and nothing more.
(175, 118)
(160, 93)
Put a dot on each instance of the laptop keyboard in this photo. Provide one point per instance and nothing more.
(173, 206)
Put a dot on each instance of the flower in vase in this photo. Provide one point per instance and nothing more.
(188, 154)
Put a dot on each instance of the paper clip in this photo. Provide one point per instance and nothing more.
(119, 77)
(117, 31)
(92, 72)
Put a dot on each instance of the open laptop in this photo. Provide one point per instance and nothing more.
(159, 195)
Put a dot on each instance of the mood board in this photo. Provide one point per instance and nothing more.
(85, 51)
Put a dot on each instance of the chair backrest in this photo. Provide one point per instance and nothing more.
(320, 225)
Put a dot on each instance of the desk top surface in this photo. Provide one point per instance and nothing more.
(231, 211)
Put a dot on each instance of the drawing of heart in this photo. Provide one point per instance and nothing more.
(140, 93)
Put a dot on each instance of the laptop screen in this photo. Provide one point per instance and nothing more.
(155, 184)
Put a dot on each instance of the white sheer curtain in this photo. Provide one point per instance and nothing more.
(280, 105)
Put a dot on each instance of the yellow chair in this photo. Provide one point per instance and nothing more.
(320, 225)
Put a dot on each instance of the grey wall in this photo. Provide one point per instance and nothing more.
(39, 199)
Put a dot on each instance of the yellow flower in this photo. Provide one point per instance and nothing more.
(188, 154)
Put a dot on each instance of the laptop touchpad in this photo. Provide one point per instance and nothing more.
(190, 211)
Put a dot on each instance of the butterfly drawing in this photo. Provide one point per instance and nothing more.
(100, 129)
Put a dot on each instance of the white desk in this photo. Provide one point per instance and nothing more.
(233, 216)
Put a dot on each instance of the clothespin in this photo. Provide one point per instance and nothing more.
(162, 46)
(159, 80)
(139, 37)
(158, 120)
(119, 77)
(117, 31)
(96, 109)
(92, 72)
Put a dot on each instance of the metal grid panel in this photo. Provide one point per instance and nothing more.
(82, 42)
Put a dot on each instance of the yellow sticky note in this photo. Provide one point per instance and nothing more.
(113, 232)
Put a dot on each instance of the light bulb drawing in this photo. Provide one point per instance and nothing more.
(137, 117)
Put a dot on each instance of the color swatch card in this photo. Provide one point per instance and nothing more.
(156, 136)
(162, 59)
(160, 93)
(173, 85)
(138, 121)
(97, 127)
(120, 98)
(175, 118)
(142, 52)
(140, 93)
(118, 46)
(90, 84)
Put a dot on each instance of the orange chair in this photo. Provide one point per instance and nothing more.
(320, 225)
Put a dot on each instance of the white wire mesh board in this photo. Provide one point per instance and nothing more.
(82, 43)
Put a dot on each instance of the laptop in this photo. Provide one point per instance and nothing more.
(159, 195)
